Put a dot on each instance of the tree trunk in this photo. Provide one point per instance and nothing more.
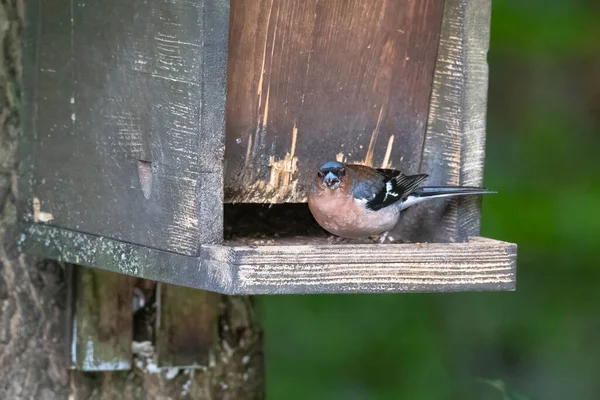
(33, 296)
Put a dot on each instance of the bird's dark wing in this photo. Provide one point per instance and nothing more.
(396, 189)
(383, 187)
(388, 173)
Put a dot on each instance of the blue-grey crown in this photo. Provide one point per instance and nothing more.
(331, 166)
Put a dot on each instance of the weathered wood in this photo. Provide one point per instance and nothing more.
(235, 372)
(481, 264)
(271, 130)
(101, 323)
(125, 258)
(311, 81)
(454, 148)
(148, 221)
(186, 326)
(324, 268)
(33, 300)
(125, 119)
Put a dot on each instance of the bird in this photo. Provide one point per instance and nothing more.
(356, 201)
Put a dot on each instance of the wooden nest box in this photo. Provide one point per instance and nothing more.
(133, 161)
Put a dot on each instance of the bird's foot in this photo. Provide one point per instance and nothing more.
(383, 237)
(336, 240)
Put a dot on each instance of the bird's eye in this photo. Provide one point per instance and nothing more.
(320, 174)
(342, 172)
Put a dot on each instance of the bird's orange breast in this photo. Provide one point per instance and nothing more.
(344, 216)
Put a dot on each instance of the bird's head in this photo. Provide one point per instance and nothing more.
(331, 174)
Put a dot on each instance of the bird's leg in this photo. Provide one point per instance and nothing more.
(383, 237)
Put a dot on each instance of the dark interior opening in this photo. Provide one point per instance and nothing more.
(270, 221)
(289, 223)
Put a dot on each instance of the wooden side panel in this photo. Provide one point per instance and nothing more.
(454, 149)
(187, 322)
(310, 81)
(101, 325)
(476, 34)
(128, 105)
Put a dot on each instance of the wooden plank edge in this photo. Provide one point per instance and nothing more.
(454, 144)
(440, 267)
(211, 141)
(229, 269)
(476, 42)
(186, 327)
(100, 326)
(440, 155)
(125, 258)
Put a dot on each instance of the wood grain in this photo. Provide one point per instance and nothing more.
(186, 326)
(476, 20)
(481, 264)
(235, 372)
(319, 267)
(454, 148)
(125, 120)
(310, 81)
(124, 258)
(101, 322)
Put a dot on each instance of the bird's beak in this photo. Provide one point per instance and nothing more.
(331, 181)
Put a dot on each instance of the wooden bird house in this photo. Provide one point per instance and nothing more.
(175, 141)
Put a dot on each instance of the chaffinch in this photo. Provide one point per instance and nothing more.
(356, 201)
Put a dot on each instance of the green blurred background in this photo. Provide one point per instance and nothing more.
(540, 342)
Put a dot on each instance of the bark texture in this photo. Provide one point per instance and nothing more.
(32, 293)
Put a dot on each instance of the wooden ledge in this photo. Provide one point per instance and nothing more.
(279, 267)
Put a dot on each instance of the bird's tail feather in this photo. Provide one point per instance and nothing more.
(435, 192)
(428, 191)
